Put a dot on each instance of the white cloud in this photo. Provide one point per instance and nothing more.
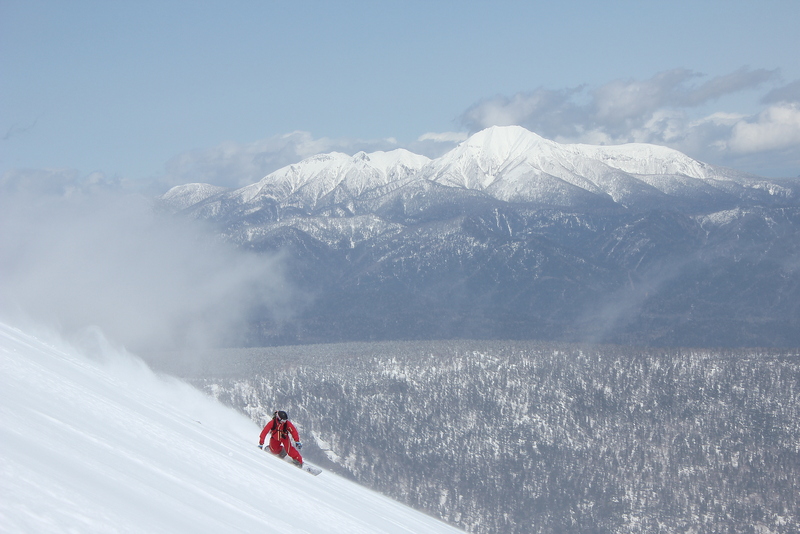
(547, 112)
(738, 80)
(53, 182)
(617, 108)
(776, 128)
(444, 137)
(664, 109)
(720, 117)
(624, 100)
(235, 165)
(787, 93)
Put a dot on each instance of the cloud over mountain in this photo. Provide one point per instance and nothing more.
(670, 108)
(776, 128)
(233, 164)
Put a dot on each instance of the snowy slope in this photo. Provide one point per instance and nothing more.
(320, 181)
(103, 445)
(312, 179)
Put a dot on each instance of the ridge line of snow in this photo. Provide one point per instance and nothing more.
(509, 162)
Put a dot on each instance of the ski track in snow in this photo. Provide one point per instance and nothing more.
(108, 446)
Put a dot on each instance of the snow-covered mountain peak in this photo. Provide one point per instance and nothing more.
(514, 164)
(500, 144)
(477, 162)
(504, 144)
(504, 140)
(508, 163)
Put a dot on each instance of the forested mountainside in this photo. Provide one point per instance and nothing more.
(536, 438)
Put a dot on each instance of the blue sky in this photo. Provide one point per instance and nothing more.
(169, 92)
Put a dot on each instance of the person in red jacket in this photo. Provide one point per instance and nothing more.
(282, 432)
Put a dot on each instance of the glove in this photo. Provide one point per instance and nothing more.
(261, 447)
(298, 445)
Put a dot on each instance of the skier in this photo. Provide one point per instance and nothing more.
(281, 430)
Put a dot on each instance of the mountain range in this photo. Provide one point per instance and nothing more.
(513, 236)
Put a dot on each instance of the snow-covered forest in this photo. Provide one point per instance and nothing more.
(534, 438)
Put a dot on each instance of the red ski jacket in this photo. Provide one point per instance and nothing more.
(279, 431)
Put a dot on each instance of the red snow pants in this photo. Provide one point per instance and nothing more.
(276, 445)
(280, 442)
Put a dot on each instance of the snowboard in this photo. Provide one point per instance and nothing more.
(307, 467)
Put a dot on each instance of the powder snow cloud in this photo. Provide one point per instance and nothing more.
(79, 252)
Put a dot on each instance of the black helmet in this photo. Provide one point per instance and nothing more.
(281, 415)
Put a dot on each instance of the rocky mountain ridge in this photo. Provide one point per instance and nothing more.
(506, 163)
(511, 235)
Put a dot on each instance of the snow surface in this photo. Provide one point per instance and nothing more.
(101, 444)
(317, 176)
